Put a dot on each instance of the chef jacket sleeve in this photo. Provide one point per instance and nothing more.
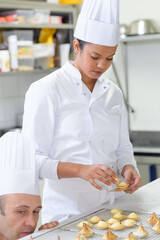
(38, 123)
(125, 149)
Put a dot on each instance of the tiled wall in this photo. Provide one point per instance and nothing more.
(13, 87)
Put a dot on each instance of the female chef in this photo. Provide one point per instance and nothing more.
(78, 121)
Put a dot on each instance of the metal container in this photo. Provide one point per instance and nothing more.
(143, 26)
(124, 30)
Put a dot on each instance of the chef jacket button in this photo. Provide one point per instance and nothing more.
(90, 141)
(77, 84)
(90, 109)
(85, 94)
(104, 87)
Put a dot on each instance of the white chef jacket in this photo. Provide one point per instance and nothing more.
(71, 124)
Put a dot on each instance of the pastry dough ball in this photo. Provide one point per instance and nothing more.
(112, 220)
(116, 226)
(80, 225)
(115, 210)
(94, 219)
(118, 216)
(102, 224)
(128, 223)
(133, 216)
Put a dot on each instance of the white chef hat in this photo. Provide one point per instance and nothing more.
(98, 22)
(17, 165)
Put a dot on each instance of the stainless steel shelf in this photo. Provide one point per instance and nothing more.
(19, 4)
(18, 73)
(147, 37)
(35, 26)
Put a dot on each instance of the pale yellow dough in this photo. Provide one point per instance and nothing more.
(128, 223)
(94, 219)
(102, 224)
(80, 225)
(116, 226)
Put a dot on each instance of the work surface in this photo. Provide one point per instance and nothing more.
(146, 200)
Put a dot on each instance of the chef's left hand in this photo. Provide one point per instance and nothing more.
(132, 178)
(48, 225)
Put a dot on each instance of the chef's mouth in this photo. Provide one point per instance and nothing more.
(23, 234)
(97, 72)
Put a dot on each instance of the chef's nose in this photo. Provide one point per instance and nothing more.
(31, 221)
(101, 64)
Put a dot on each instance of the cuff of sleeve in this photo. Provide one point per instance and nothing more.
(47, 167)
(124, 162)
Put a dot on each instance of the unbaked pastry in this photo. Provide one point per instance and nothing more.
(140, 232)
(102, 224)
(118, 216)
(80, 225)
(128, 223)
(116, 226)
(86, 231)
(115, 210)
(156, 227)
(112, 220)
(109, 236)
(129, 237)
(152, 219)
(94, 219)
(133, 216)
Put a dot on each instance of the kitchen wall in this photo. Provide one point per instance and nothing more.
(143, 68)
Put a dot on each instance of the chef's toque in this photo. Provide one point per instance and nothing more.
(98, 22)
(17, 165)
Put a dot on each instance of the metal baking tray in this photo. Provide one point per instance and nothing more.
(69, 231)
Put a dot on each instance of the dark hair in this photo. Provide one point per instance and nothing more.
(2, 205)
(81, 43)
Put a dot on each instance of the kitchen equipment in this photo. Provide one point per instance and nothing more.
(69, 229)
(124, 30)
(143, 26)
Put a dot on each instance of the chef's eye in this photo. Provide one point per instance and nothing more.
(21, 212)
(36, 212)
(95, 58)
(109, 59)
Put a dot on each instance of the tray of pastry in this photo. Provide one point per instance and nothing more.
(121, 224)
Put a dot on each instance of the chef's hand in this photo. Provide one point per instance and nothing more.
(132, 178)
(48, 225)
(100, 172)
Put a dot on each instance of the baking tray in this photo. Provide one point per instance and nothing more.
(70, 230)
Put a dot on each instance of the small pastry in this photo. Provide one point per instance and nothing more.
(114, 211)
(152, 219)
(94, 219)
(80, 225)
(133, 216)
(122, 185)
(109, 236)
(118, 216)
(140, 232)
(156, 227)
(130, 237)
(81, 237)
(117, 179)
(128, 223)
(116, 226)
(86, 231)
(112, 220)
(102, 224)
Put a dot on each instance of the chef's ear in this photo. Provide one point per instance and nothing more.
(76, 46)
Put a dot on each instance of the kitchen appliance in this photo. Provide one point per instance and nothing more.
(143, 26)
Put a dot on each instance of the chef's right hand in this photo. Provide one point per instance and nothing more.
(100, 172)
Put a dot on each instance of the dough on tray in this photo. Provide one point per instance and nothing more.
(94, 219)
(102, 224)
